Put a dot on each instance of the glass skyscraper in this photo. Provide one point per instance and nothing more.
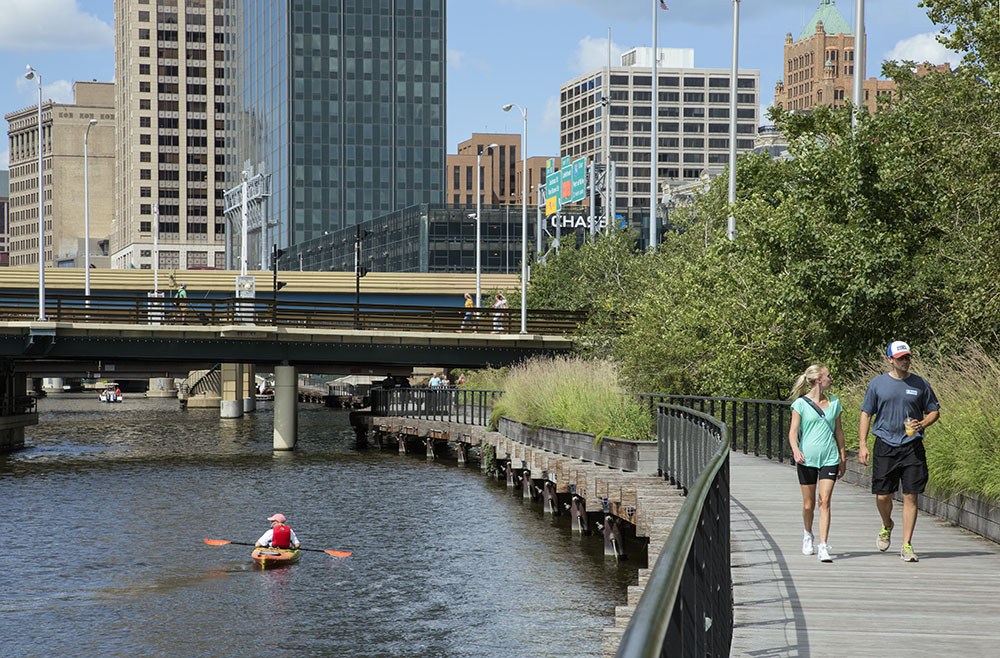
(342, 102)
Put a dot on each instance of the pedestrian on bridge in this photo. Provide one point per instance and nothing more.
(182, 294)
(904, 405)
(817, 441)
(468, 313)
(498, 317)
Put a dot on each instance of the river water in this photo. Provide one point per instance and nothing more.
(107, 506)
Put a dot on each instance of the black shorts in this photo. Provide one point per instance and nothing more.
(893, 465)
(810, 475)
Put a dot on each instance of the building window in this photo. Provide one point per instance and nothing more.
(144, 33)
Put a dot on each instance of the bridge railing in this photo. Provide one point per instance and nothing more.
(122, 309)
(686, 608)
(457, 405)
(755, 426)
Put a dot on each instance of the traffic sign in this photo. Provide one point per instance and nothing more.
(579, 180)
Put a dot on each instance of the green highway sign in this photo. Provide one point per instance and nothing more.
(578, 184)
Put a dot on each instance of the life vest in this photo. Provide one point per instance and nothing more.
(281, 536)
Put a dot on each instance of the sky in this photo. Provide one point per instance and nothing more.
(499, 51)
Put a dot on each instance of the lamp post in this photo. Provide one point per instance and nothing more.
(733, 96)
(859, 60)
(86, 214)
(31, 74)
(479, 220)
(524, 215)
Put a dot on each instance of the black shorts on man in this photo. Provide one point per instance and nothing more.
(895, 465)
(810, 474)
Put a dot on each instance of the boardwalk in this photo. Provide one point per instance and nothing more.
(865, 603)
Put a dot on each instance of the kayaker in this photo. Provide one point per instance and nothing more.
(280, 535)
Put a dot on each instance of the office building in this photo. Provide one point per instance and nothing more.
(692, 119)
(171, 73)
(819, 66)
(63, 128)
(343, 106)
(498, 169)
(4, 194)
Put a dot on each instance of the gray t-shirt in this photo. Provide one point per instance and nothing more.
(891, 400)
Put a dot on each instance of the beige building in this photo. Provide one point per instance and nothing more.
(615, 106)
(819, 66)
(4, 180)
(63, 129)
(170, 71)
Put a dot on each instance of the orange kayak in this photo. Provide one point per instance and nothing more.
(272, 558)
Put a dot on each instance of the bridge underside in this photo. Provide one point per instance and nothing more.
(67, 348)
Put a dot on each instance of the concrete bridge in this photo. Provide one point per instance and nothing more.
(106, 336)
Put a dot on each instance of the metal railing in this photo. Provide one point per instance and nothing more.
(124, 309)
(757, 426)
(18, 405)
(686, 608)
(457, 405)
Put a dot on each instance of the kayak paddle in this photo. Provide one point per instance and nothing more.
(223, 542)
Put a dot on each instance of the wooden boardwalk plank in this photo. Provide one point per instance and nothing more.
(865, 603)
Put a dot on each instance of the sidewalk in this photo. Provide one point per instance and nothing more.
(865, 603)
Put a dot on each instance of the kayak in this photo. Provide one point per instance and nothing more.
(272, 558)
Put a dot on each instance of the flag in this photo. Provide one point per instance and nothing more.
(663, 5)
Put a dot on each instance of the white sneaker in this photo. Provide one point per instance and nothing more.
(824, 553)
(807, 543)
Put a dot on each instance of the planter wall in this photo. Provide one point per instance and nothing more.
(633, 456)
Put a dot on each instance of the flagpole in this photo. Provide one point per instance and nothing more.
(653, 162)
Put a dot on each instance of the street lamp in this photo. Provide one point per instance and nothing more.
(479, 221)
(30, 75)
(524, 215)
(733, 99)
(86, 213)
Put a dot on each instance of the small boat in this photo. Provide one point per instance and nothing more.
(272, 558)
(111, 393)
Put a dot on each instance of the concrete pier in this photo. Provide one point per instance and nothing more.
(286, 411)
(249, 388)
(231, 405)
(161, 387)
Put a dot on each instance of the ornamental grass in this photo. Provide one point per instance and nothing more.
(573, 394)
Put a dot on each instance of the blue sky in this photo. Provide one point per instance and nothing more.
(499, 51)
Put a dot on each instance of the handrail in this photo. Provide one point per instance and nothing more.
(124, 309)
(683, 563)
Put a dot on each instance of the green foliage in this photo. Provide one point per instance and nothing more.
(573, 394)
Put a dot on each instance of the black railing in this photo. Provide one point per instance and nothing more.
(456, 405)
(122, 309)
(18, 405)
(686, 608)
(755, 426)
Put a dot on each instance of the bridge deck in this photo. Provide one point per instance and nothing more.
(865, 603)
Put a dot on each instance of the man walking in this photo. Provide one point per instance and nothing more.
(904, 405)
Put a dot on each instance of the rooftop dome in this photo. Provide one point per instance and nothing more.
(833, 21)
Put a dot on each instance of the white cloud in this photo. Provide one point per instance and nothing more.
(592, 53)
(60, 91)
(922, 48)
(456, 58)
(681, 11)
(34, 25)
(550, 115)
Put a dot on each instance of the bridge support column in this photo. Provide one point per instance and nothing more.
(550, 498)
(286, 407)
(462, 451)
(16, 408)
(613, 544)
(231, 405)
(578, 514)
(161, 387)
(249, 388)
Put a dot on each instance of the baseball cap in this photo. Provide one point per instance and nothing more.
(896, 349)
(279, 517)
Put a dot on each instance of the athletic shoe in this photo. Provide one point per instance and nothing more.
(906, 554)
(807, 543)
(882, 541)
(824, 553)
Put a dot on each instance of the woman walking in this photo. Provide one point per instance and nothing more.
(817, 441)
